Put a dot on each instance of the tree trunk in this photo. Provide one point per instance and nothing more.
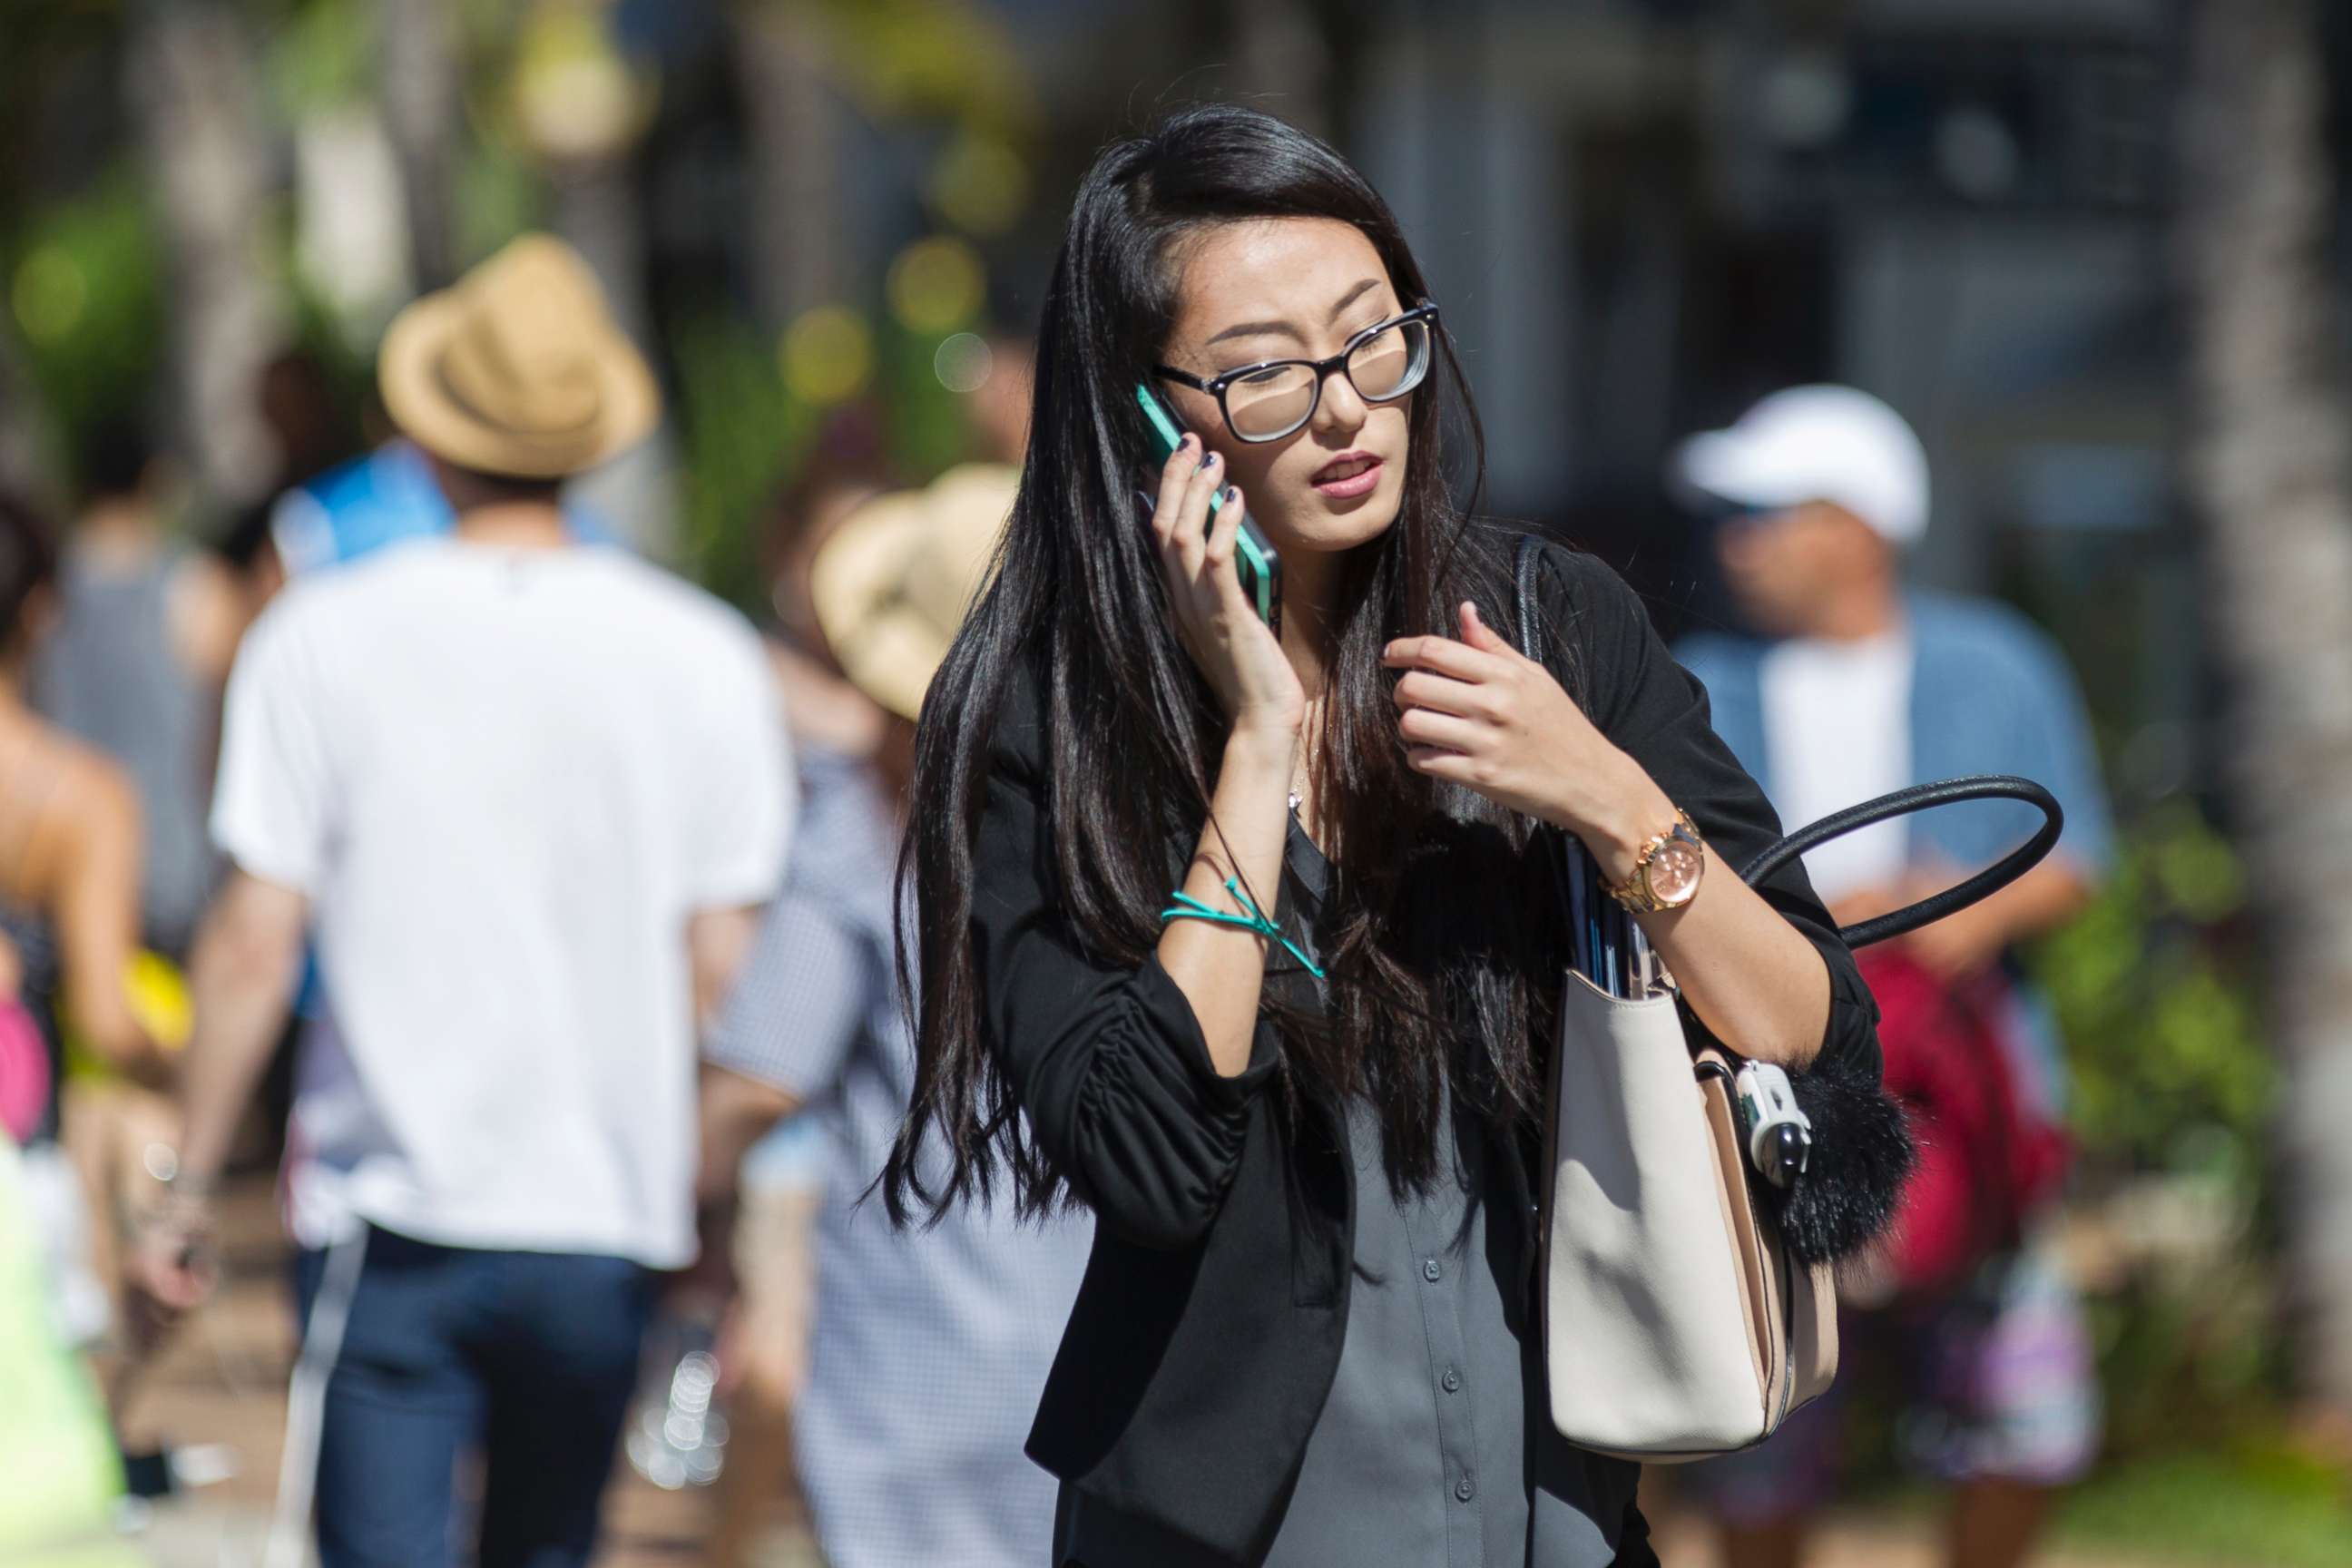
(598, 210)
(794, 161)
(192, 84)
(417, 53)
(2269, 470)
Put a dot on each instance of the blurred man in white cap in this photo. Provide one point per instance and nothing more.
(1852, 686)
(530, 794)
(931, 1345)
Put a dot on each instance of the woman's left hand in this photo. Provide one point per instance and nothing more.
(1479, 714)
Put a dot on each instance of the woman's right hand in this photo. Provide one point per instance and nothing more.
(1238, 653)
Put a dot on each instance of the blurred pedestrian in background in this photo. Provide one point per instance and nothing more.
(246, 549)
(60, 1477)
(930, 1346)
(145, 630)
(1851, 687)
(530, 794)
(844, 471)
(68, 930)
(770, 1269)
(144, 627)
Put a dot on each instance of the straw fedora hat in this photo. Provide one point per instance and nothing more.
(518, 369)
(893, 582)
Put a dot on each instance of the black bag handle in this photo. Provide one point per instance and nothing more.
(1837, 824)
(1902, 802)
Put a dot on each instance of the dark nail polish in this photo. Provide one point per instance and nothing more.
(1233, 493)
(1210, 461)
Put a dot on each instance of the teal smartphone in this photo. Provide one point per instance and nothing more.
(1254, 562)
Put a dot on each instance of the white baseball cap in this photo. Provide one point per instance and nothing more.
(1816, 443)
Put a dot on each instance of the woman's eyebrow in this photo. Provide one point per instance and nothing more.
(1256, 330)
(1284, 329)
(1352, 295)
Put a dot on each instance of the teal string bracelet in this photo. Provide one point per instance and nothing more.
(1188, 908)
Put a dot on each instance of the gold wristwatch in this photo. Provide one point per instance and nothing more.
(1667, 872)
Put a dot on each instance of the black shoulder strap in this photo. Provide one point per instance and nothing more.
(1523, 583)
(1532, 641)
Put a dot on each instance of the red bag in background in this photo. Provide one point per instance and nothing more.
(1986, 1158)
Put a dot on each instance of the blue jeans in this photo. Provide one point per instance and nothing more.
(528, 1358)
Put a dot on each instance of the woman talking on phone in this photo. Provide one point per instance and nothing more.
(1233, 936)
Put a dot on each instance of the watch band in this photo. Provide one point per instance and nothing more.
(1633, 892)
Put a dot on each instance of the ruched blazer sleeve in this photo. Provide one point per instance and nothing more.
(1109, 1063)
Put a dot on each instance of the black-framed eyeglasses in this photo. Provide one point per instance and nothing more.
(1271, 399)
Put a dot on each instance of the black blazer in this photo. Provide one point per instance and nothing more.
(1207, 1332)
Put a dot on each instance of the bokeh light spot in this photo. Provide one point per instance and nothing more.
(50, 294)
(980, 184)
(575, 94)
(936, 284)
(829, 355)
(964, 363)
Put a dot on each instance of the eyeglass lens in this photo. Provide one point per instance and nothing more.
(1280, 398)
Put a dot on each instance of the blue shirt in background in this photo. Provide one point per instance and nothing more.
(367, 503)
(372, 501)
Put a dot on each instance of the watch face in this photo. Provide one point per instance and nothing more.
(1674, 871)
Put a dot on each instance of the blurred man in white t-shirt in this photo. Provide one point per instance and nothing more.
(528, 794)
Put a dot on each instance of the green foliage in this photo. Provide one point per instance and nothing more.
(739, 432)
(496, 197)
(2156, 998)
(918, 57)
(928, 429)
(322, 57)
(744, 433)
(85, 299)
(2156, 990)
(2187, 1356)
(2252, 1503)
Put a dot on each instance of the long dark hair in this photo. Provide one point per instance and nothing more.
(1421, 943)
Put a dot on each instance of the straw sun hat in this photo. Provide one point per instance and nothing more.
(893, 582)
(518, 369)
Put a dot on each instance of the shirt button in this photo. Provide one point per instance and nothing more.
(1452, 1380)
(1466, 1488)
(1432, 1272)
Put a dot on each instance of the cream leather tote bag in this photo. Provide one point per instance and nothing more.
(1674, 1326)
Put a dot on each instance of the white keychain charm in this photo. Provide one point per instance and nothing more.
(1780, 1135)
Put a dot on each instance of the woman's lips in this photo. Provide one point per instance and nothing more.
(1349, 477)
